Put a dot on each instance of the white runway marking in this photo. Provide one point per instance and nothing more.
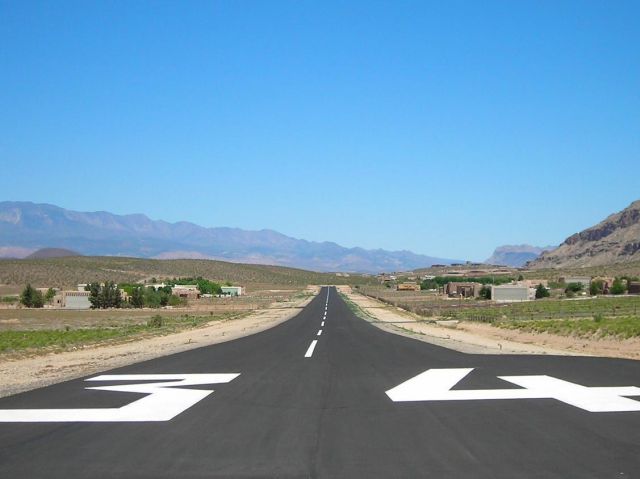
(322, 323)
(164, 400)
(319, 332)
(312, 346)
(436, 384)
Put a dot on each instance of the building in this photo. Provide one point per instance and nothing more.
(232, 290)
(72, 300)
(408, 286)
(507, 293)
(462, 290)
(187, 291)
(585, 281)
(534, 283)
(634, 287)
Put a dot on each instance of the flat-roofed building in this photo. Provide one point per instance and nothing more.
(72, 300)
(187, 291)
(634, 287)
(507, 293)
(534, 283)
(232, 290)
(463, 290)
(408, 286)
(585, 281)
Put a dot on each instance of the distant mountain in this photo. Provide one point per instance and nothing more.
(614, 240)
(516, 255)
(46, 253)
(32, 226)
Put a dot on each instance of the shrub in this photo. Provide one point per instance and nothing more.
(597, 287)
(156, 321)
(618, 287)
(574, 287)
(542, 292)
(485, 292)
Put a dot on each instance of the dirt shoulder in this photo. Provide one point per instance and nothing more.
(480, 338)
(18, 375)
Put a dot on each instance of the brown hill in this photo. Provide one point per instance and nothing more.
(614, 240)
(69, 271)
(45, 253)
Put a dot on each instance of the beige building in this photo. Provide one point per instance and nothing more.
(408, 286)
(188, 291)
(463, 290)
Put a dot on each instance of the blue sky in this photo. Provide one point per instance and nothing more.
(445, 128)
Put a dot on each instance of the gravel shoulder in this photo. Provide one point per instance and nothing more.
(479, 338)
(24, 374)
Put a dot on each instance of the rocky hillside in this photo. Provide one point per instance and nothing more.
(516, 255)
(614, 240)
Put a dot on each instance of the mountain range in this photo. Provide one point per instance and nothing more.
(516, 255)
(614, 240)
(26, 227)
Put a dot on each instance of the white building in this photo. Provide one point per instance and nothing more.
(232, 290)
(72, 300)
(507, 293)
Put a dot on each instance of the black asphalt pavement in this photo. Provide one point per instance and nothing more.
(328, 415)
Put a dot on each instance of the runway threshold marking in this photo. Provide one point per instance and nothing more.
(312, 346)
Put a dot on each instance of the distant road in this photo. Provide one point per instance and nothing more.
(326, 394)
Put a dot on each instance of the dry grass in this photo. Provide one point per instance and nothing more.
(66, 272)
(18, 318)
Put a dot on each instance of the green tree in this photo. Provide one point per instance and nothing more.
(105, 296)
(31, 297)
(95, 298)
(49, 295)
(429, 284)
(111, 295)
(137, 297)
(541, 292)
(596, 287)
(485, 292)
(618, 286)
(574, 288)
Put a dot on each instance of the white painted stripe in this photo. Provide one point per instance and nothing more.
(309, 352)
(322, 323)
(319, 332)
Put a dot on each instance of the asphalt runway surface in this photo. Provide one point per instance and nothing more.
(284, 406)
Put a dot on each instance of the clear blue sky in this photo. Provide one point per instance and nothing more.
(445, 128)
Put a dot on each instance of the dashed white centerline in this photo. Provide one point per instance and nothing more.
(322, 323)
(312, 346)
(319, 332)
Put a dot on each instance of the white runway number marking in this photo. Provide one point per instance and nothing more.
(164, 401)
(436, 384)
